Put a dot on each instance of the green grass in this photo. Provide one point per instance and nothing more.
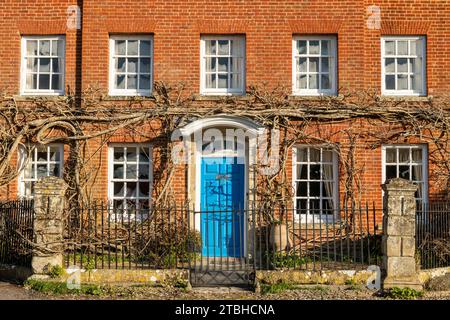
(276, 288)
(403, 293)
(52, 287)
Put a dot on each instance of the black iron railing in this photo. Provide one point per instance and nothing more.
(16, 232)
(433, 234)
(251, 238)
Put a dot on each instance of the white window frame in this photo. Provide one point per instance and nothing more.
(318, 218)
(424, 148)
(111, 179)
(23, 68)
(332, 67)
(391, 92)
(23, 162)
(222, 91)
(112, 69)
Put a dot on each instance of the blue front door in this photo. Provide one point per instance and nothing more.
(222, 207)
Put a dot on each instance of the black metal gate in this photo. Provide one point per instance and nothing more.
(222, 256)
(16, 232)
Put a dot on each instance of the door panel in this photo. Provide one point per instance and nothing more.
(222, 204)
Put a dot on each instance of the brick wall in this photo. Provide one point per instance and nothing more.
(268, 27)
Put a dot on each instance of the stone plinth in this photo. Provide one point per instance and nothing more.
(48, 226)
(399, 231)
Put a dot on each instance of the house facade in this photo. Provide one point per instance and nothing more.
(316, 50)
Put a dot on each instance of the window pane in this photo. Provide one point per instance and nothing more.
(120, 82)
(132, 48)
(236, 64)
(314, 172)
(32, 47)
(314, 155)
(118, 154)
(210, 47)
(416, 82)
(389, 47)
(325, 46)
(302, 65)
(145, 65)
(131, 172)
(210, 64)
(416, 173)
(144, 155)
(132, 82)
(402, 47)
(41, 154)
(211, 81)
(313, 81)
(56, 82)
(390, 82)
(302, 171)
(131, 154)
(327, 189)
(389, 65)
(144, 82)
(120, 66)
(402, 65)
(302, 155)
(131, 189)
(223, 64)
(403, 155)
(54, 154)
(404, 172)
(120, 47)
(302, 82)
(327, 173)
(391, 155)
(55, 46)
(417, 155)
(54, 170)
(55, 65)
(144, 189)
(325, 82)
(44, 81)
(41, 170)
(402, 82)
(327, 156)
(44, 47)
(235, 79)
(301, 206)
(132, 65)
(223, 47)
(236, 48)
(144, 171)
(302, 189)
(31, 81)
(223, 81)
(391, 172)
(416, 48)
(301, 47)
(325, 64)
(118, 171)
(145, 48)
(32, 64)
(313, 47)
(314, 189)
(44, 65)
(119, 189)
(313, 64)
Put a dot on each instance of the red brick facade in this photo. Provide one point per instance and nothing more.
(268, 27)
